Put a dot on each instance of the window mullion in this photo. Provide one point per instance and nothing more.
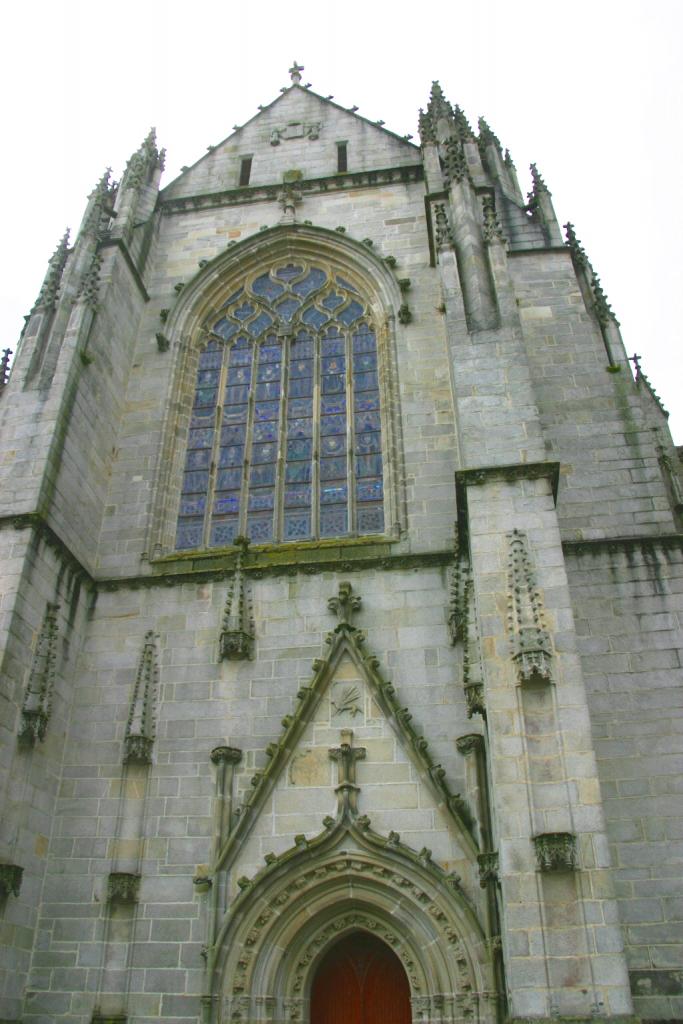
(350, 468)
(279, 497)
(248, 441)
(213, 468)
(315, 409)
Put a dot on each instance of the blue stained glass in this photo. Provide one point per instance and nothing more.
(301, 368)
(266, 431)
(264, 286)
(268, 371)
(332, 404)
(333, 346)
(366, 421)
(260, 530)
(195, 483)
(367, 443)
(370, 519)
(345, 284)
(365, 381)
(302, 347)
(369, 490)
(297, 525)
(300, 449)
(334, 444)
(237, 395)
(332, 522)
(226, 503)
(240, 356)
(351, 313)
(223, 532)
(300, 428)
(199, 459)
(333, 494)
(233, 298)
(288, 307)
(300, 387)
(239, 374)
(364, 341)
(332, 301)
(297, 496)
(366, 400)
(262, 475)
(312, 281)
(233, 433)
(369, 465)
(288, 272)
(334, 364)
(364, 361)
(200, 438)
(194, 506)
(333, 425)
(333, 469)
(267, 390)
(298, 472)
(225, 329)
(297, 407)
(266, 410)
(233, 456)
(334, 383)
(229, 479)
(314, 318)
(204, 397)
(260, 501)
(211, 358)
(189, 535)
(205, 417)
(270, 353)
(236, 414)
(244, 311)
(263, 453)
(207, 378)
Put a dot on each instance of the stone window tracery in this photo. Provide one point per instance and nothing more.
(285, 434)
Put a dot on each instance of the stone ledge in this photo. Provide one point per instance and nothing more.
(465, 478)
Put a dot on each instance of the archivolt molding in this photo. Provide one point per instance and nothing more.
(285, 919)
(198, 300)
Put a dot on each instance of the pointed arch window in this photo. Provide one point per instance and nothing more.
(285, 434)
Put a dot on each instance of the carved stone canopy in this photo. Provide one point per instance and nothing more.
(555, 851)
(10, 879)
(122, 887)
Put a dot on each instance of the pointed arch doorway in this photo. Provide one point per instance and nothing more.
(360, 981)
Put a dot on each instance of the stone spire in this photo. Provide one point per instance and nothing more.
(140, 727)
(47, 297)
(487, 136)
(237, 634)
(38, 700)
(143, 163)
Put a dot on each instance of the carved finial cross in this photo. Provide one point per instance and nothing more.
(346, 756)
(295, 72)
(288, 197)
(345, 604)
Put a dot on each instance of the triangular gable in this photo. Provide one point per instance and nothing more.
(218, 169)
(346, 641)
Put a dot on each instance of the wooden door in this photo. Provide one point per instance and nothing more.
(360, 981)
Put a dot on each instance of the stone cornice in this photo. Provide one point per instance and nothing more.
(290, 561)
(402, 175)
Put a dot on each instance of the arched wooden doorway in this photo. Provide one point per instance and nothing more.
(360, 981)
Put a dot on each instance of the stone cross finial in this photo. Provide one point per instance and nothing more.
(295, 73)
(346, 756)
(288, 197)
(345, 604)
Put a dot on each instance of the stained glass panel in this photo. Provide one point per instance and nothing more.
(293, 469)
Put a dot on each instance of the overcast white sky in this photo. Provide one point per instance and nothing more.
(589, 89)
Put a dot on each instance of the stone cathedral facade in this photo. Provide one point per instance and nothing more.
(341, 599)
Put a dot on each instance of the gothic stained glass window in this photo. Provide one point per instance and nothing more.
(285, 433)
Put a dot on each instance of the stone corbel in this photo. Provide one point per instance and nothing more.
(123, 887)
(555, 851)
(10, 880)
